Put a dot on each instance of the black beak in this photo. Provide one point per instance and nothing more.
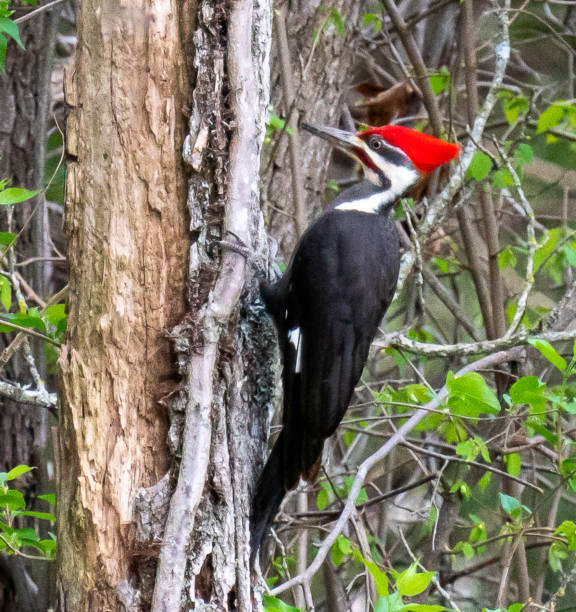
(347, 141)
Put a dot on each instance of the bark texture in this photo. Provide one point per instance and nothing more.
(227, 345)
(126, 223)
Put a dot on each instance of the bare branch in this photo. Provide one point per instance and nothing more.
(364, 468)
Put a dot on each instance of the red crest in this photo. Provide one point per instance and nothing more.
(425, 151)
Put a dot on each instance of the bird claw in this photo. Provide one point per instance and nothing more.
(236, 247)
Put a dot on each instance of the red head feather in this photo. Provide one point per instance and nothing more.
(425, 151)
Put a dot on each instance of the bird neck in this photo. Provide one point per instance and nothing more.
(380, 191)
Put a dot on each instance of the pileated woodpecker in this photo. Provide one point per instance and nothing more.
(328, 304)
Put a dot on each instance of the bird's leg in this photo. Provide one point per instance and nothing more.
(239, 246)
(236, 247)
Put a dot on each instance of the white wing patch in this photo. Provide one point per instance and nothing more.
(294, 337)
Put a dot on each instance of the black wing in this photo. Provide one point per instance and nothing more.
(327, 308)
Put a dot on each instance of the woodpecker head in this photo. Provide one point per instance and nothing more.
(393, 157)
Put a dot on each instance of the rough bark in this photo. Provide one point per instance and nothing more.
(127, 228)
(227, 345)
(321, 64)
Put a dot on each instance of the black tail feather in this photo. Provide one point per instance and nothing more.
(278, 477)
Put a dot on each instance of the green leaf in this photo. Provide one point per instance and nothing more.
(514, 106)
(508, 503)
(18, 471)
(469, 395)
(7, 238)
(479, 167)
(13, 499)
(556, 554)
(375, 20)
(568, 530)
(391, 603)
(273, 604)
(512, 506)
(10, 28)
(15, 195)
(379, 576)
(529, 390)
(411, 583)
(440, 81)
(549, 352)
(5, 292)
(506, 258)
(524, 154)
(49, 497)
(502, 178)
(517, 607)
(27, 320)
(337, 21)
(513, 464)
(485, 481)
(46, 516)
(551, 117)
(3, 45)
(322, 499)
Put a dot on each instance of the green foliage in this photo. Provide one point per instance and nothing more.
(375, 20)
(549, 352)
(529, 390)
(479, 167)
(513, 507)
(335, 18)
(8, 29)
(273, 604)
(507, 258)
(12, 506)
(15, 195)
(340, 549)
(5, 292)
(275, 124)
(514, 106)
(470, 396)
(440, 81)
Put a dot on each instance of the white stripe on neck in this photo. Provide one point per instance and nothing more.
(371, 204)
(401, 179)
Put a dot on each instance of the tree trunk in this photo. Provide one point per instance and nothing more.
(321, 66)
(137, 247)
(127, 229)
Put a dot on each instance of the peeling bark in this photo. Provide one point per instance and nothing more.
(228, 344)
(127, 229)
(131, 228)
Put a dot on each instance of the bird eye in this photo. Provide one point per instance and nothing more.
(375, 144)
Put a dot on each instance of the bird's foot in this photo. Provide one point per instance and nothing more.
(236, 247)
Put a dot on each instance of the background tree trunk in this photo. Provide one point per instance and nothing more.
(24, 429)
(321, 63)
(127, 230)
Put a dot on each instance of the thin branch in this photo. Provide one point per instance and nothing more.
(28, 331)
(36, 397)
(401, 341)
(439, 206)
(37, 11)
(420, 69)
(364, 468)
(293, 133)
